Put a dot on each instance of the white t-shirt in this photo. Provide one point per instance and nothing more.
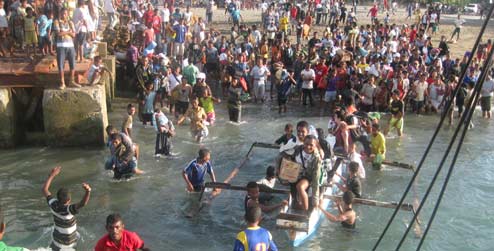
(487, 88)
(368, 91)
(459, 23)
(109, 6)
(269, 183)
(199, 29)
(174, 80)
(307, 158)
(308, 74)
(92, 70)
(433, 18)
(420, 88)
(393, 46)
(259, 73)
(188, 16)
(165, 15)
(3, 19)
(81, 18)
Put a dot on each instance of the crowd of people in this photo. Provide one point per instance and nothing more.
(355, 69)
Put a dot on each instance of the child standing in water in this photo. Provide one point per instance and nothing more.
(207, 102)
(197, 116)
(287, 136)
(148, 102)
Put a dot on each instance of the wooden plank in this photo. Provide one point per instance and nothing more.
(368, 202)
(293, 217)
(266, 145)
(227, 186)
(298, 226)
(386, 162)
(294, 228)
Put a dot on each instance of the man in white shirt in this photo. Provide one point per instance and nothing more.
(420, 88)
(259, 74)
(486, 95)
(393, 44)
(458, 24)
(110, 11)
(165, 15)
(308, 75)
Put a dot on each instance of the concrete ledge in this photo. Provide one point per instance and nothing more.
(75, 116)
(7, 119)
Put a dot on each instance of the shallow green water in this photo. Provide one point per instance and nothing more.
(152, 204)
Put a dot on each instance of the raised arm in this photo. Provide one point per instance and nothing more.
(84, 199)
(46, 187)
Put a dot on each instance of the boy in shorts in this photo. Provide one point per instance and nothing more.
(45, 23)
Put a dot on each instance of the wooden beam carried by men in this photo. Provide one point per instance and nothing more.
(369, 202)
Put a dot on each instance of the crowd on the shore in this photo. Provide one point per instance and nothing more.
(176, 58)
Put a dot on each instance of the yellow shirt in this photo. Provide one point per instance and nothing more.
(378, 144)
(284, 23)
(196, 117)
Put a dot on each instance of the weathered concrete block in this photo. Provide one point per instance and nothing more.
(75, 117)
(109, 62)
(7, 119)
(102, 49)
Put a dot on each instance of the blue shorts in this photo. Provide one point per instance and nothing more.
(65, 53)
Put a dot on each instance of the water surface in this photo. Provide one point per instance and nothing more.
(153, 203)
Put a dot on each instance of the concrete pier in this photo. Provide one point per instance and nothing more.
(70, 117)
(7, 119)
(75, 117)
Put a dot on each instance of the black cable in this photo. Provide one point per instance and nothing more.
(462, 122)
(436, 132)
(458, 147)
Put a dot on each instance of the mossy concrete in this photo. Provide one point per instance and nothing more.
(75, 116)
(7, 119)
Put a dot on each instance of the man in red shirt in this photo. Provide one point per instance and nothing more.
(373, 12)
(119, 239)
(293, 16)
(147, 17)
(148, 35)
(321, 71)
(157, 26)
(413, 34)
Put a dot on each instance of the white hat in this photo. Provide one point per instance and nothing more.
(397, 55)
(201, 75)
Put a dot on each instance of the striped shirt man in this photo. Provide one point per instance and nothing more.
(65, 232)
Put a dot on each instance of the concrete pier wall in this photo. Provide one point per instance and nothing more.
(75, 117)
(70, 117)
(7, 119)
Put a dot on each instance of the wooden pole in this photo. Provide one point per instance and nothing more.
(234, 171)
(387, 163)
(227, 186)
(266, 145)
(368, 202)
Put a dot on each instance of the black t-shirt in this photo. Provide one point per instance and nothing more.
(396, 107)
(284, 139)
(354, 185)
(354, 133)
(313, 42)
